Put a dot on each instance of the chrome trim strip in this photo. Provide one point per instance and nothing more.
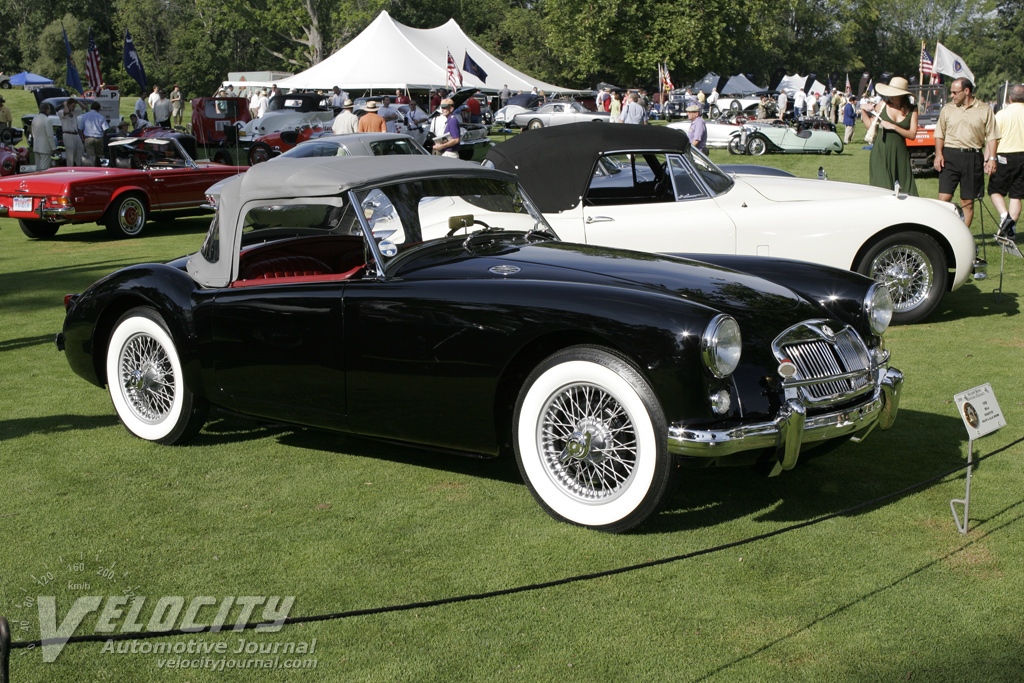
(792, 428)
(56, 211)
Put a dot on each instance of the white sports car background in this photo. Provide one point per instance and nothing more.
(652, 192)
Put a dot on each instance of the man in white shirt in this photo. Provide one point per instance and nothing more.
(153, 96)
(346, 122)
(140, 108)
(264, 102)
(338, 98)
(162, 110)
(43, 143)
(389, 114)
(74, 149)
(799, 100)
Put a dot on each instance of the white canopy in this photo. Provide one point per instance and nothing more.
(390, 55)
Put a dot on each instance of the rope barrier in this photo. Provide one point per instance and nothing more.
(6, 645)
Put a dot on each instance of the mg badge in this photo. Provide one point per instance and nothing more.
(504, 270)
(827, 331)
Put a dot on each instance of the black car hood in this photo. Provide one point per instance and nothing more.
(701, 283)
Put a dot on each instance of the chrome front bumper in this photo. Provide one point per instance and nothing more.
(793, 428)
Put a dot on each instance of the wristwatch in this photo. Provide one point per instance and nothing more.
(988, 159)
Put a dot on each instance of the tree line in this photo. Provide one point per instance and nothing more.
(575, 43)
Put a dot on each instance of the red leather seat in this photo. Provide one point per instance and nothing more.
(286, 266)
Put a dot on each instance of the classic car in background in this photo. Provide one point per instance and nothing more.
(146, 176)
(805, 136)
(720, 131)
(316, 299)
(355, 145)
(556, 113)
(12, 159)
(217, 123)
(288, 112)
(671, 198)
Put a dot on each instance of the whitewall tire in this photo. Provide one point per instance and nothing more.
(590, 440)
(145, 380)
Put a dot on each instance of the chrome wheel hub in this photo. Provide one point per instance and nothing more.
(907, 273)
(588, 443)
(147, 378)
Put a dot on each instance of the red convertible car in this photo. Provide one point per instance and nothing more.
(144, 176)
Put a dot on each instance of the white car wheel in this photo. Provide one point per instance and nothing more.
(590, 440)
(145, 380)
(914, 269)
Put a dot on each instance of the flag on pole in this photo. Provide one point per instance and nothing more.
(848, 89)
(668, 77)
(92, 64)
(71, 78)
(949, 63)
(926, 61)
(454, 75)
(132, 64)
(471, 67)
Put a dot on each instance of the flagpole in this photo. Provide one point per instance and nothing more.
(920, 71)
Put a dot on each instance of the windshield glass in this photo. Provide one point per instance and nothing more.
(405, 214)
(717, 180)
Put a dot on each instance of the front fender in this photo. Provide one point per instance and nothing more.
(90, 319)
(841, 292)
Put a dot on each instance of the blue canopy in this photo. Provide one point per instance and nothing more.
(26, 78)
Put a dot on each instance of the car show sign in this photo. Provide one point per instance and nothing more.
(980, 411)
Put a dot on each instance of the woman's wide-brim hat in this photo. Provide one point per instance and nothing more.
(897, 86)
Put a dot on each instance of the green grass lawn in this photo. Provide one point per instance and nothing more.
(889, 593)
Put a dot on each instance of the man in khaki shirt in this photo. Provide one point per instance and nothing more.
(966, 138)
(1008, 179)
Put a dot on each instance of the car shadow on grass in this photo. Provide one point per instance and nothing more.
(94, 233)
(918, 447)
(53, 424)
(970, 302)
(230, 428)
(25, 342)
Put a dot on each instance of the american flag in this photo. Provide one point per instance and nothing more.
(848, 89)
(926, 61)
(92, 64)
(454, 75)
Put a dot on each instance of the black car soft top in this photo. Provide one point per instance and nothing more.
(555, 164)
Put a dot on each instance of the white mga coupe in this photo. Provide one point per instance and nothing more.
(645, 188)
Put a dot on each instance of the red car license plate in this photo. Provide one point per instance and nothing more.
(22, 204)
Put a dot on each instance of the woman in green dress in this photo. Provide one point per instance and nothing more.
(897, 123)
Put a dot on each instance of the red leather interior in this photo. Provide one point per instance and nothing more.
(286, 266)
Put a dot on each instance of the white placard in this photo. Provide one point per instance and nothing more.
(980, 411)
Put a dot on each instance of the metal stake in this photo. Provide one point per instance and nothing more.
(966, 500)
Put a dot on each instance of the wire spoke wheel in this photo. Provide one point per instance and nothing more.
(589, 438)
(589, 443)
(146, 382)
(908, 274)
(147, 378)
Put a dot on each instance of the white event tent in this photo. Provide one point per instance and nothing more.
(390, 55)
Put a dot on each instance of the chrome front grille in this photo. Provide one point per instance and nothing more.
(831, 366)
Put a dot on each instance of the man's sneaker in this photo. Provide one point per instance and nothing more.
(1006, 228)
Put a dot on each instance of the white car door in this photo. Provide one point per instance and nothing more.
(644, 210)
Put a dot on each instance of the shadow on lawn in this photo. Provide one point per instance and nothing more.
(53, 424)
(971, 302)
(24, 342)
(94, 233)
(918, 447)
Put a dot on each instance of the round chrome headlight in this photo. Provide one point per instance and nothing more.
(721, 345)
(878, 308)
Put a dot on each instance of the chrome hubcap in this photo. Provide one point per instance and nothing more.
(147, 378)
(588, 442)
(906, 271)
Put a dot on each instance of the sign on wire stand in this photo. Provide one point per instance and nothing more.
(981, 414)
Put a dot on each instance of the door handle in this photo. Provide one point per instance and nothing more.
(599, 219)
